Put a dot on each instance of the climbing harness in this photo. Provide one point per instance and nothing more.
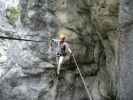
(83, 80)
(62, 49)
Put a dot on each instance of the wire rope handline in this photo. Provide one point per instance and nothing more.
(30, 40)
(19, 39)
(83, 80)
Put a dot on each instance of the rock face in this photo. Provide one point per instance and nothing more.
(29, 74)
(126, 52)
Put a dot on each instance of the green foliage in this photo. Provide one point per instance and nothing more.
(13, 14)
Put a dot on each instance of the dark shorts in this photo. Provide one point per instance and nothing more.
(61, 54)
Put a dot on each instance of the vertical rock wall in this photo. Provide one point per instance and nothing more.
(94, 24)
(90, 26)
(126, 52)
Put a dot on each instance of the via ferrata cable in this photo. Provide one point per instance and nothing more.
(83, 80)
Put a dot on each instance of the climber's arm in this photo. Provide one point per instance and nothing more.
(70, 51)
(68, 48)
(55, 40)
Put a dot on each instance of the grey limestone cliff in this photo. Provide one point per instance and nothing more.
(26, 71)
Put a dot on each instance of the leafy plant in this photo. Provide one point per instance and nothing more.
(13, 14)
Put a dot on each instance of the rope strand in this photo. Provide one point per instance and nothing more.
(87, 90)
(31, 40)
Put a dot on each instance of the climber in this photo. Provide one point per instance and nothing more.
(61, 51)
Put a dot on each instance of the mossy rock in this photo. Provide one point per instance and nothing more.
(13, 14)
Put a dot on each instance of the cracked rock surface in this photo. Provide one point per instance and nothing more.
(26, 71)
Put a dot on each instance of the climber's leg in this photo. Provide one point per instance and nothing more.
(59, 64)
(57, 59)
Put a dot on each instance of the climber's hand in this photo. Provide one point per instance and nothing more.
(55, 40)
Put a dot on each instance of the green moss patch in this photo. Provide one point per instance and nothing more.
(13, 14)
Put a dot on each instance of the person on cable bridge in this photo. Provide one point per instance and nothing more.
(61, 50)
